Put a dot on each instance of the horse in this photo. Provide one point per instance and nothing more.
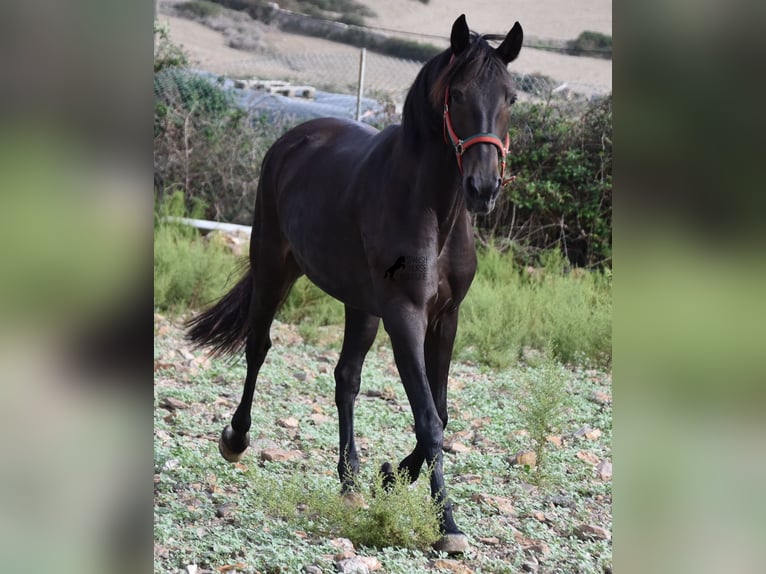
(339, 201)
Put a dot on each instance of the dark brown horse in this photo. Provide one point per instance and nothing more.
(344, 204)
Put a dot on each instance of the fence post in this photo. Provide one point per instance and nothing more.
(360, 90)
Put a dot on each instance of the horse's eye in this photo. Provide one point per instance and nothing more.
(512, 99)
(457, 96)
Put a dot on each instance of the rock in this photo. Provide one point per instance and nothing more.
(312, 569)
(524, 458)
(319, 419)
(353, 565)
(371, 562)
(554, 439)
(600, 398)
(468, 478)
(457, 448)
(541, 549)
(173, 404)
(279, 455)
(452, 565)
(560, 500)
(588, 457)
(354, 500)
(490, 541)
(531, 565)
(591, 532)
(593, 434)
(300, 375)
(289, 423)
(502, 505)
(225, 510)
(343, 545)
(452, 544)
(604, 470)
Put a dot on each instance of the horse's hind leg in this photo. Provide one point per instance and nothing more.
(359, 334)
(274, 272)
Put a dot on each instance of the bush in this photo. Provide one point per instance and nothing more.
(166, 53)
(199, 8)
(189, 271)
(206, 147)
(561, 155)
(594, 44)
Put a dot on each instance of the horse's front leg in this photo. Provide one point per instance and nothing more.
(407, 325)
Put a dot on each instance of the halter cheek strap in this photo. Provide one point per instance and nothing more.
(461, 145)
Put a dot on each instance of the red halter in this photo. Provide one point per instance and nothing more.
(461, 145)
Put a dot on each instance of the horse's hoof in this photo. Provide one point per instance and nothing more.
(387, 472)
(452, 544)
(232, 446)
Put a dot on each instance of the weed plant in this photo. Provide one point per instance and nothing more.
(189, 270)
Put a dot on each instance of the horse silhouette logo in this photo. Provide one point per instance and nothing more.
(394, 268)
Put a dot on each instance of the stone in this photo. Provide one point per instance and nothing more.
(593, 434)
(225, 510)
(554, 439)
(172, 404)
(502, 505)
(452, 544)
(371, 562)
(604, 470)
(600, 398)
(452, 565)
(588, 457)
(490, 541)
(289, 423)
(457, 448)
(560, 500)
(591, 532)
(353, 565)
(279, 455)
(524, 458)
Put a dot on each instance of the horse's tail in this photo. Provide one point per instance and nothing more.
(225, 326)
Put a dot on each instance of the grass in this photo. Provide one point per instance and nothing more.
(189, 271)
(283, 516)
(510, 308)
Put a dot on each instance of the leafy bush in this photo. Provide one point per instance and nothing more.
(561, 155)
(199, 8)
(594, 44)
(166, 53)
(207, 147)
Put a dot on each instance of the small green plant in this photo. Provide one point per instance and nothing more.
(199, 8)
(544, 400)
(167, 54)
(402, 515)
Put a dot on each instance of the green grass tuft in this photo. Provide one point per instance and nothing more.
(190, 271)
(403, 516)
(510, 307)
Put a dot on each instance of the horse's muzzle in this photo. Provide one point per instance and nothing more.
(481, 193)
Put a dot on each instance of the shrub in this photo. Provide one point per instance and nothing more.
(207, 147)
(166, 53)
(594, 44)
(199, 8)
(561, 155)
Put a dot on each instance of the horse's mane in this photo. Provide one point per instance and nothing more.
(423, 107)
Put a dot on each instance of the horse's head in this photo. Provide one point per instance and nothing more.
(478, 92)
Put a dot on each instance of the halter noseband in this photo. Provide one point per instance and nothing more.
(461, 145)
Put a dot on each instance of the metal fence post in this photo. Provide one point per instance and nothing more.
(360, 90)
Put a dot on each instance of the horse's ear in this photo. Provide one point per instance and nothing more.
(461, 36)
(511, 46)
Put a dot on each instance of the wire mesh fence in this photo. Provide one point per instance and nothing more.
(385, 77)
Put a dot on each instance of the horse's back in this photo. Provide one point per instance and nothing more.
(307, 190)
